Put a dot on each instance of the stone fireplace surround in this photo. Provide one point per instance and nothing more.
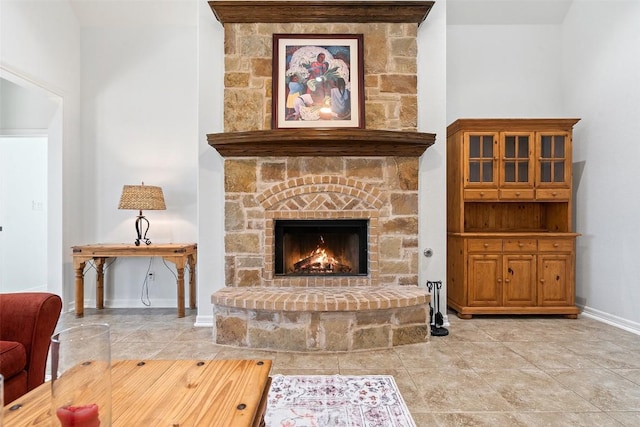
(321, 174)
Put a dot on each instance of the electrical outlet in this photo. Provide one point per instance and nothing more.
(151, 276)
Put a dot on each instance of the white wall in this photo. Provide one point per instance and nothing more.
(40, 49)
(600, 80)
(140, 123)
(210, 163)
(432, 76)
(504, 71)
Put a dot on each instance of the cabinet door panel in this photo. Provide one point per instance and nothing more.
(554, 160)
(516, 159)
(480, 160)
(519, 283)
(555, 280)
(485, 283)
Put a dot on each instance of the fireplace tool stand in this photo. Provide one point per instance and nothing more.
(437, 320)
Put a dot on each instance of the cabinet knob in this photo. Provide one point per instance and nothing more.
(482, 194)
(541, 280)
(521, 245)
(554, 193)
(499, 280)
(517, 193)
(486, 245)
(555, 245)
(507, 280)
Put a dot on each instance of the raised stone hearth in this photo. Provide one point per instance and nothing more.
(321, 319)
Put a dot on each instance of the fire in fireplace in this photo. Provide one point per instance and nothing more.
(321, 247)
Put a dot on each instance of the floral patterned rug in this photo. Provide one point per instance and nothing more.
(336, 401)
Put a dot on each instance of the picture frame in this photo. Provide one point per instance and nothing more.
(318, 81)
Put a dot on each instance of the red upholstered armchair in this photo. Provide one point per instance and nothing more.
(27, 321)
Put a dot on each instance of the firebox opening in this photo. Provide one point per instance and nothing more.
(321, 247)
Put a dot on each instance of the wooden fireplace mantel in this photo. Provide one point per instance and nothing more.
(321, 142)
(245, 12)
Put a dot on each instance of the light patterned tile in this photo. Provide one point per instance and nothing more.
(549, 355)
(630, 374)
(306, 360)
(477, 419)
(483, 355)
(369, 360)
(136, 350)
(534, 390)
(601, 387)
(456, 390)
(430, 354)
(627, 418)
(563, 419)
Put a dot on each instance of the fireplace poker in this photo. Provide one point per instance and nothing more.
(437, 329)
(430, 288)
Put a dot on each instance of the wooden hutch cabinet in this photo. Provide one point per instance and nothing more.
(510, 244)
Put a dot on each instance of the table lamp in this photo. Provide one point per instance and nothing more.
(141, 197)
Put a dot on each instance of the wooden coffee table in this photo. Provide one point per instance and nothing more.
(173, 393)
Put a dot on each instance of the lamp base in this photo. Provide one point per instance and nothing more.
(139, 224)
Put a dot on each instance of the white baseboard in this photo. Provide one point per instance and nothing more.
(201, 320)
(611, 319)
(204, 321)
(128, 303)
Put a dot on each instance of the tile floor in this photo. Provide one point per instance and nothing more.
(489, 371)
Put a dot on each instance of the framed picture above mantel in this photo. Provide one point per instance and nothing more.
(318, 81)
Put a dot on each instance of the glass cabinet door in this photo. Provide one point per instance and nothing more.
(516, 169)
(481, 155)
(553, 160)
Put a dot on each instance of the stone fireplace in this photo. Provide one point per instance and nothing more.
(382, 191)
(291, 194)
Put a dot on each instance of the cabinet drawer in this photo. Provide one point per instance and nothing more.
(490, 194)
(517, 194)
(520, 245)
(553, 194)
(484, 245)
(561, 245)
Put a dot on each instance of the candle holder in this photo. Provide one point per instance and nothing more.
(81, 377)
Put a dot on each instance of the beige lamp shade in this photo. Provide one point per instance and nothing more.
(142, 197)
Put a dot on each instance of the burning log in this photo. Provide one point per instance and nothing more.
(311, 265)
(319, 262)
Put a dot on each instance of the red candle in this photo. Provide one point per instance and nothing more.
(79, 416)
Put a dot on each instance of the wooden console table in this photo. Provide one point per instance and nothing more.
(181, 254)
(168, 393)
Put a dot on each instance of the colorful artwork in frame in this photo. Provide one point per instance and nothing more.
(318, 81)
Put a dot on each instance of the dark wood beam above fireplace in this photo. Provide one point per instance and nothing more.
(321, 142)
(244, 12)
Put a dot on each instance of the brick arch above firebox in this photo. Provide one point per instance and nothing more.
(322, 197)
(321, 192)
